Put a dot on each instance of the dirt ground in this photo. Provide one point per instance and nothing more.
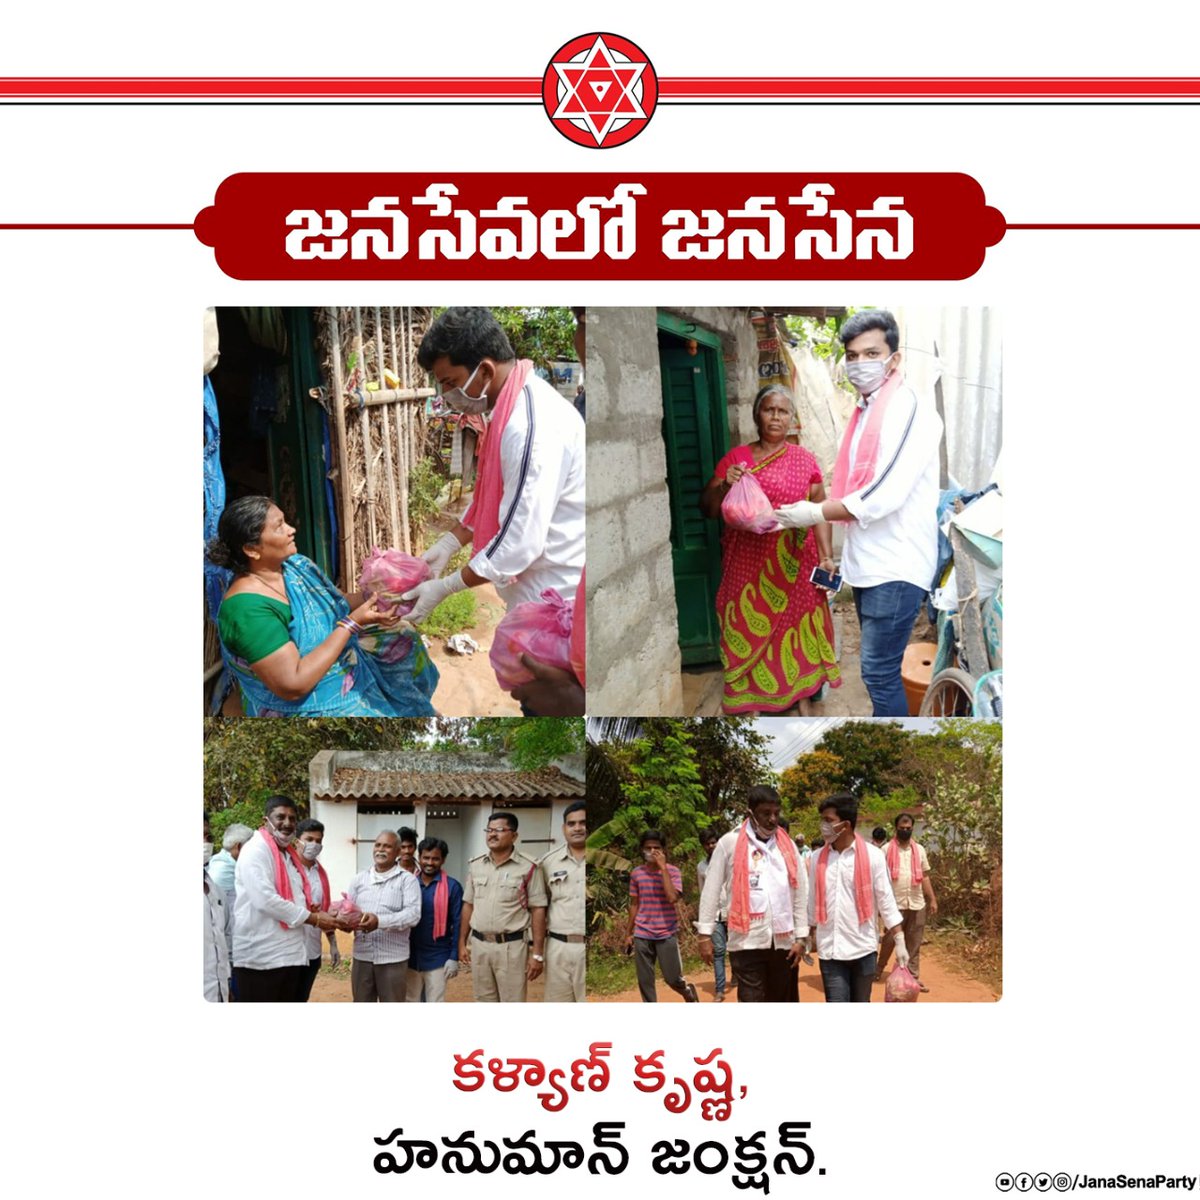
(467, 687)
(944, 982)
(333, 987)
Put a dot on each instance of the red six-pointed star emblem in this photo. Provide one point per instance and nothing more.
(600, 90)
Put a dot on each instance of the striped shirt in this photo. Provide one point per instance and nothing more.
(656, 916)
(395, 898)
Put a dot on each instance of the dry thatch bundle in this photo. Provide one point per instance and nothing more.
(376, 396)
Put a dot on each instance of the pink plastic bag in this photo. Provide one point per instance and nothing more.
(346, 910)
(747, 507)
(539, 628)
(901, 986)
(391, 573)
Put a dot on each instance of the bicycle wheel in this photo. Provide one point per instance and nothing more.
(949, 694)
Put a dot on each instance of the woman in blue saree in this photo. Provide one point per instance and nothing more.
(295, 644)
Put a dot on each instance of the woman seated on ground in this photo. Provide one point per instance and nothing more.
(776, 632)
(291, 638)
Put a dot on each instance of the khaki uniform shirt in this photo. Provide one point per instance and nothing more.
(501, 899)
(565, 879)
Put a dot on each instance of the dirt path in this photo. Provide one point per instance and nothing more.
(334, 988)
(467, 687)
(944, 983)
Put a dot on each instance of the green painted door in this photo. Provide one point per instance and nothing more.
(695, 437)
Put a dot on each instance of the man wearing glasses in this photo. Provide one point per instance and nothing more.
(504, 899)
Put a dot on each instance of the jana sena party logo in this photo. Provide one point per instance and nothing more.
(600, 90)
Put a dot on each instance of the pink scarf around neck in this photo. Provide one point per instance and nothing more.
(441, 906)
(914, 862)
(483, 517)
(864, 896)
(283, 885)
(850, 476)
(739, 890)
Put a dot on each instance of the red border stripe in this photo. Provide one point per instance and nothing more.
(525, 89)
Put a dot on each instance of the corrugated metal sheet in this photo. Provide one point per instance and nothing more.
(968, 361)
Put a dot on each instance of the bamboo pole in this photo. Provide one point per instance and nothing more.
(364, 422)
(339, 420)
(395, 395)
(405, 467)
(393, 509)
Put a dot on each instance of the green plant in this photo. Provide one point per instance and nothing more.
(425, 484)
(453, 615)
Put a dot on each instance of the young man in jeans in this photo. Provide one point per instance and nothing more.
(654, 890)
(885, 488)
(848, 888)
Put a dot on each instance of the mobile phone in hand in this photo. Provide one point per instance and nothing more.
(823, 579)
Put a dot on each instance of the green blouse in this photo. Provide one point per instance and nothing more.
(252, 626)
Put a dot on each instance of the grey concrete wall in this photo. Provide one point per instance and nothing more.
(633, 648)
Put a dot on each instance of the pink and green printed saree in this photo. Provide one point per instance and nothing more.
(776, 631)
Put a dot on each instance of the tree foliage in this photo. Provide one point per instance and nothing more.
(871, 753)
(810, 778)
(529, 742)
(248, 759)
(540, 334)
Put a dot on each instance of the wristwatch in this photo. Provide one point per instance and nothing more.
(538, 957)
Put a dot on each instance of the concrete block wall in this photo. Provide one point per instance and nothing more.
(633, 648)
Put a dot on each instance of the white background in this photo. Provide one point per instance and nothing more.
(124, 1076)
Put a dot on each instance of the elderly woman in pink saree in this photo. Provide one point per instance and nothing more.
(776, 631)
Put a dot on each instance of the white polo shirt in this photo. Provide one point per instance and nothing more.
(894, 536)
(541, 540)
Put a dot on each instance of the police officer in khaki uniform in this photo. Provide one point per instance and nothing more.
(504, 897)
(565, 872)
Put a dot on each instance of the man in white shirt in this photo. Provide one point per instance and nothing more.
(390, 900)
(218, 932)
(527, 518)
(310, 841)
(272, 908)
(768, 901)
(908, 869)
(848, 886)
(885, 487)
(222, 866)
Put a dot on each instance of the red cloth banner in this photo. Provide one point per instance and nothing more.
(631, 225)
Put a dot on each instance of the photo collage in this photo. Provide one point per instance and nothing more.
(560, 655)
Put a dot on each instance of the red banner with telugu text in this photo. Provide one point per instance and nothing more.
(629, 225)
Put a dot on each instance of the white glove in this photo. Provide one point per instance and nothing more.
(901, 950)
(430, 594)
(800, 515)
(451, 968)
(441, 552)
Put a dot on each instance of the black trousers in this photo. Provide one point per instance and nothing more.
(762, 975)
(278, 985)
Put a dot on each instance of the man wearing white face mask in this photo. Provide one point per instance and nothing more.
(310, 840)
(526, 522)
(274, 903)
(848, 886)
(885, 487)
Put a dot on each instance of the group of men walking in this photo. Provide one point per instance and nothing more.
(768, 902)
(268, 902)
